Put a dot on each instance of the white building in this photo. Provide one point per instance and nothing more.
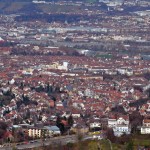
(76, 115)
(145, 129)
(120, 129)
(52, 130)
(121, 121)
(112, 123)
(95, 125)
(119, 125)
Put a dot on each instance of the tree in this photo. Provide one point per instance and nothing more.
(2, 132)
(135, 120)
(70, 120)
(130, 146)
(3, 127)
(17, 120)
(20, 136)
(28, 114)
(110, 135)
(60, 125)
(21, 85)
(123, 139)
(69, 146)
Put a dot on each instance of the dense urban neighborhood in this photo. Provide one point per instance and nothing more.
(79, 74)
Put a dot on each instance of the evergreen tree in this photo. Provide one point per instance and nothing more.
(60, 125)
(70, 120)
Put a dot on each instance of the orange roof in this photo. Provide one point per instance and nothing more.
(146, 121)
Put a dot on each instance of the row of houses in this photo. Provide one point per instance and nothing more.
(121, 125)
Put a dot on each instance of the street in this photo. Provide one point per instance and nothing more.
(55, 140)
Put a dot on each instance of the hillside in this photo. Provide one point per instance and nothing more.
(27, 7)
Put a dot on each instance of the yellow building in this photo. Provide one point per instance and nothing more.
(35, 132)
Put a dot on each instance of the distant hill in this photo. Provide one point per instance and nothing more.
(27, 7)
(47, 0)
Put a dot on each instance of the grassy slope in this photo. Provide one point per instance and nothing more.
(141, 142)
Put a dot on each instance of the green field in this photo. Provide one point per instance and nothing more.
(137, 140)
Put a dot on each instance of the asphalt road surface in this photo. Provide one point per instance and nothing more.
(50, 141)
